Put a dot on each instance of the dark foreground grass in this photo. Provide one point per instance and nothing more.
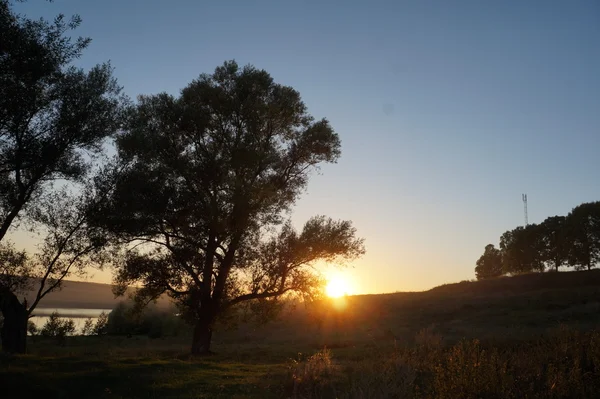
(563, 363)
(519, 338)
(120, 368)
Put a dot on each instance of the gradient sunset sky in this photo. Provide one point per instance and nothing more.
(448, 110)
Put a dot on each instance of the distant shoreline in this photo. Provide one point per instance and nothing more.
(82, 295)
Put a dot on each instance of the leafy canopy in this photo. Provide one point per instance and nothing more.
(209, 178)
(54, 117)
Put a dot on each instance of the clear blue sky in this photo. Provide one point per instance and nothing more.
(447, 110)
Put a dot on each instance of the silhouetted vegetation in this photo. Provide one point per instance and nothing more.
(99, 327)
(192, 206)
(206, 179)
(58, 328)
(490, 263)
(54, 120)
(151, 321)
(559, 241)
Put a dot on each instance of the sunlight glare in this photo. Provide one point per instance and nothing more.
(337, 287)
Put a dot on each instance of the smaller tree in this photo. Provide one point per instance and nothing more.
(100, 328)
(88, 327)
(54, 120)
(522, 250)
(69, 245)
(583, 235)
(489, 265)
(554, 248)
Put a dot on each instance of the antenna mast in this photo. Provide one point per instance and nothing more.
(524, 196)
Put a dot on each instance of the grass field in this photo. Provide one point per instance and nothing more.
(526, 336)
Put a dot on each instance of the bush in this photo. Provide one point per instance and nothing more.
(58, 328)
(312, 377)
(32, 329)
(151, 321)
(101, 324)
(88, 327)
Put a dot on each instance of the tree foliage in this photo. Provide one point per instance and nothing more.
(53, 116)
(554, 238)
(209, 178)
(54, 121)
(521, 250)
(583, 229)
(559, 241)
(57, 327)
(489, 265)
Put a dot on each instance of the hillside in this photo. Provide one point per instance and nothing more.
(84, 295)
(516, 307)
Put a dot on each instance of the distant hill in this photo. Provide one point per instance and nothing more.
(522, 283)
(506, 307)
(84, 295)
(524, 304)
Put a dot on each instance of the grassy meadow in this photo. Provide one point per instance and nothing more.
(530, 336)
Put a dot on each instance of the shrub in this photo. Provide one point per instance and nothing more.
(312, 377)
(32, 329)
(88, 327)
(101, 326)
(151, 321)
(58, 328)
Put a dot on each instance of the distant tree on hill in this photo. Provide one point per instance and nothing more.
(489, 265)
(583, 234)
(522, 250)
(54, 120)
(554, 238)
(209, 178)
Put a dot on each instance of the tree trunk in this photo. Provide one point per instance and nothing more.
(14, 328)
(201, 338)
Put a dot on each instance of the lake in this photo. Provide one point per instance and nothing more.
(79, 316)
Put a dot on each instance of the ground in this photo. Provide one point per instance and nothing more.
(532, 336)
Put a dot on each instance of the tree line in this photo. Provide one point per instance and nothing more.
(195, 204)
(559, 241)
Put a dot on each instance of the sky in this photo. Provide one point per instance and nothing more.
(448, 111)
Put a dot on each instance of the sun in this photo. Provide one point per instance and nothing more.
(337, 287)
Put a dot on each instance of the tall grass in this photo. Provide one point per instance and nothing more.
(564, 364)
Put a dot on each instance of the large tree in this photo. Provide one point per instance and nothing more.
(583, 234)
(209, 178)
(489, 265)
(54, 120)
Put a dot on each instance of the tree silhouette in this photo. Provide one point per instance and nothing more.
(583, 234)
(209, 177)
(54, 119)
(554, 238)
(489, 265)
(522, 250)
